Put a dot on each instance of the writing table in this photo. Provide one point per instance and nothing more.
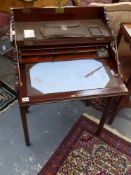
(64, 55)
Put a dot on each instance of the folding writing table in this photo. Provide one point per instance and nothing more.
(66, 54)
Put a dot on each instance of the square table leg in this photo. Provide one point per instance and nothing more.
(105, 115)
(23, 110)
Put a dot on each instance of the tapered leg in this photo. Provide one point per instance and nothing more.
(113, 116)
(115, 111)
(122, 102)
(24, 124)
(104, 116)
(27, 109)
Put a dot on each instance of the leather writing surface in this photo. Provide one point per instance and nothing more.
(68, 76)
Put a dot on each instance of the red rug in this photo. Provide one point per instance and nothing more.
(4, 19)
(81, 153)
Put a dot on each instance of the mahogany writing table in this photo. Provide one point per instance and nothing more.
(52, 43)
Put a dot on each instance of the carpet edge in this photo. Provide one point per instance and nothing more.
(9, 90)
(9, 106)
(113, 130)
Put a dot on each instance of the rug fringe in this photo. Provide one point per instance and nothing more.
(113, 130)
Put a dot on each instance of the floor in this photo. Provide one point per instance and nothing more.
(48, 125)
(7, 71)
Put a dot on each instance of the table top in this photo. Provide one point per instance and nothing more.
(95, 85)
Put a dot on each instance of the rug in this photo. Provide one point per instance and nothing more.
(6, 5)
(81, 153)
(7, 97)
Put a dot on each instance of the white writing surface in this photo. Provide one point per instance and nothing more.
(65, 76)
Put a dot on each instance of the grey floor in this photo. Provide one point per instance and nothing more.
(48, 125)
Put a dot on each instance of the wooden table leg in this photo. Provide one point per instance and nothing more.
(27, 109)
(24, 123)
(122, 102)
(115, 110)
(104, 116)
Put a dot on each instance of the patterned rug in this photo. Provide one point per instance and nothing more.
(81, 153)
(7, 97)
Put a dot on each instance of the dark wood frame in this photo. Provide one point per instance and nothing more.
(112, 93)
